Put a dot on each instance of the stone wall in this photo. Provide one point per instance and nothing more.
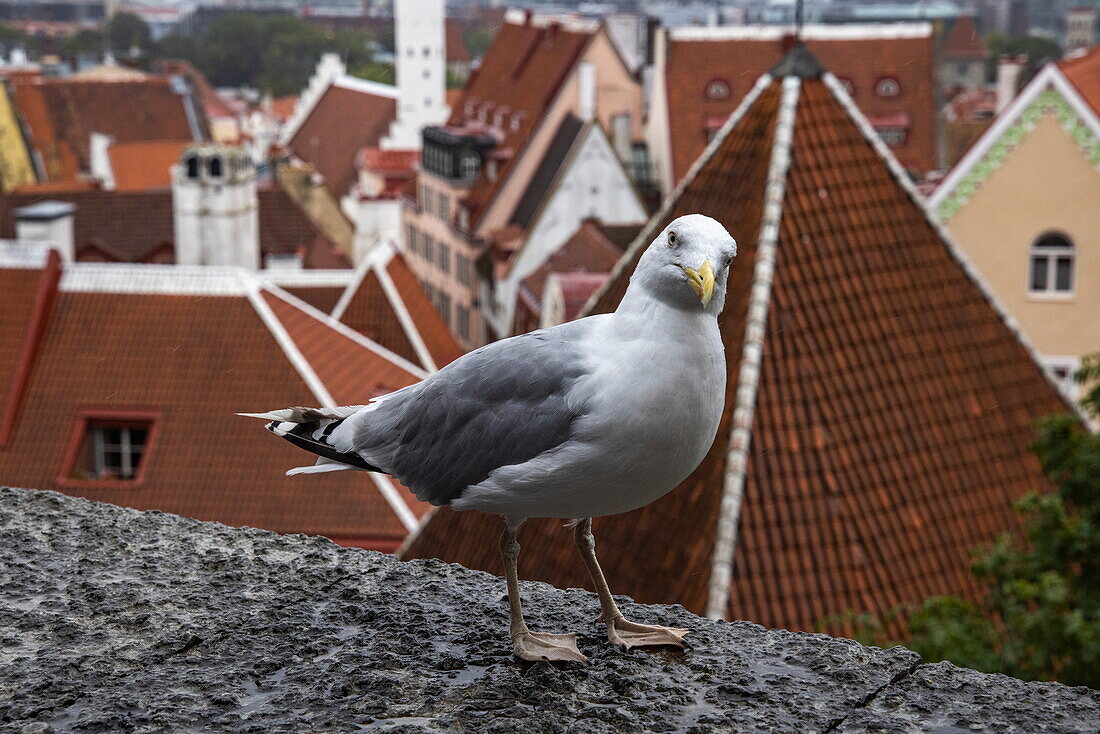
(118, 620)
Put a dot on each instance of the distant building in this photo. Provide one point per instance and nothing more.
(878, 402)
(1022, 204)
(700, 75)
(485, 176)
(1080, 28)
(119, 383)
(962, 57)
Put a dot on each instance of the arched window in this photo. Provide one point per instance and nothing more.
(214, 166)
(887, 86)
(1051, 271)
(717, 89)
(192, 165)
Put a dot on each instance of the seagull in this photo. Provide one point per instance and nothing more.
(594, 417)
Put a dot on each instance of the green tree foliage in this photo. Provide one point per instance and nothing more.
(477, 41)
(1041, 617)
(1039, 50)
(126, 31)
(13, 37)
(175, 46)
(276, 53)
(84, 42)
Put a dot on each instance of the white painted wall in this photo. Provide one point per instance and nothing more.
(99, 162)
(56, 233)
(657, 124)
(376, 220)
(420, 69)
(594, 184)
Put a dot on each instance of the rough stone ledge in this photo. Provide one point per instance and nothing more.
(118, 620)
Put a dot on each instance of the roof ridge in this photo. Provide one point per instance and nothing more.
(971, 272)
(361, 270)
(397, 302)
(645, 234)
(810, 31)
(254, 286)
(347, 331)
(752, 351)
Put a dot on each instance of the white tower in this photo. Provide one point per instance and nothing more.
(215, 207)
(421, 71)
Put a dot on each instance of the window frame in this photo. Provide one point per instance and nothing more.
(1051, 255)
(81, 426)
(1071, 365)
(726, 90)
(887, 80)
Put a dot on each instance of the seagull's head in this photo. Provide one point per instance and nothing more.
(688, 263)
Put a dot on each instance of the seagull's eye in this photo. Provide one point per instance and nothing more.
(673, 239)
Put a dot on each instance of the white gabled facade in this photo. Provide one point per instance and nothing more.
(591, 184)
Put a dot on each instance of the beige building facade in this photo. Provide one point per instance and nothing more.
(1024, 205)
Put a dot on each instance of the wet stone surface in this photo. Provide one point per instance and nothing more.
(116, 620)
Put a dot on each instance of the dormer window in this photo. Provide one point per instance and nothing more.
(109, 448)
(887, 86)
(717, 89)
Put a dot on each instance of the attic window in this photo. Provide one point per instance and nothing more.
(109, 449)
(717, 89)
(1052, 260)
(887, 87)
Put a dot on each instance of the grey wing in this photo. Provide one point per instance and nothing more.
(503, 404)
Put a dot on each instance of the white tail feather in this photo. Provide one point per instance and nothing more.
(306, 415)
(318, 469)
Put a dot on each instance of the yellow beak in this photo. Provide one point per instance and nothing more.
(702, 282)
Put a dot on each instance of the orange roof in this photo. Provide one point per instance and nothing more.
(521, 73)
(61, 115)
(694, 63)
(889, 405)
(145, 164)
(1083, 71)
(963, 41)
(382, 160)
(283, 107)
(386, 303)
(190, 347)
(345, 119)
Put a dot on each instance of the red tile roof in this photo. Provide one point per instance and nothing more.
(283, 107)
(143, 165)
(377, 302)
(381, 160)
(693, 64)
(454, 43)
(892, 415)
(61, 115)
(1083, 71)
(192, 347)
(963, 41)
(521, 72)
(588, 250)
(344, 120)
(576, 289)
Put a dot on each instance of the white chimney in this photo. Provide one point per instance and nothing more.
(215, 207)
(99, 160)
(586, 90)
(48, 224)
(421, 65)
(1009, 69)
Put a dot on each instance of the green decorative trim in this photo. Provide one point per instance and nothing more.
(1049, 102)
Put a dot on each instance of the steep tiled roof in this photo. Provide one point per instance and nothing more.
(557, 152)
(882, 403)
(61, 115)
(454, 43)
(588, 250)
(696, 58)
(522, 72)
(386, 303)
(192, 346)
(347, 117)
(1083, 71)
(963, 41)
(146, 164)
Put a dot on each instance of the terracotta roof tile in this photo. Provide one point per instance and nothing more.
(693, 64)
(456, 49)
(963, 41)
(892, 420)
(371, 312)
(1083, 71)
(521, 72)
(193, 360)
(61, 115)
(146, 164)
(329, 140)
(19, 287)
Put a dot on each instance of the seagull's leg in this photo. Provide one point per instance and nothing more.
(528, 645)
(620, 630)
